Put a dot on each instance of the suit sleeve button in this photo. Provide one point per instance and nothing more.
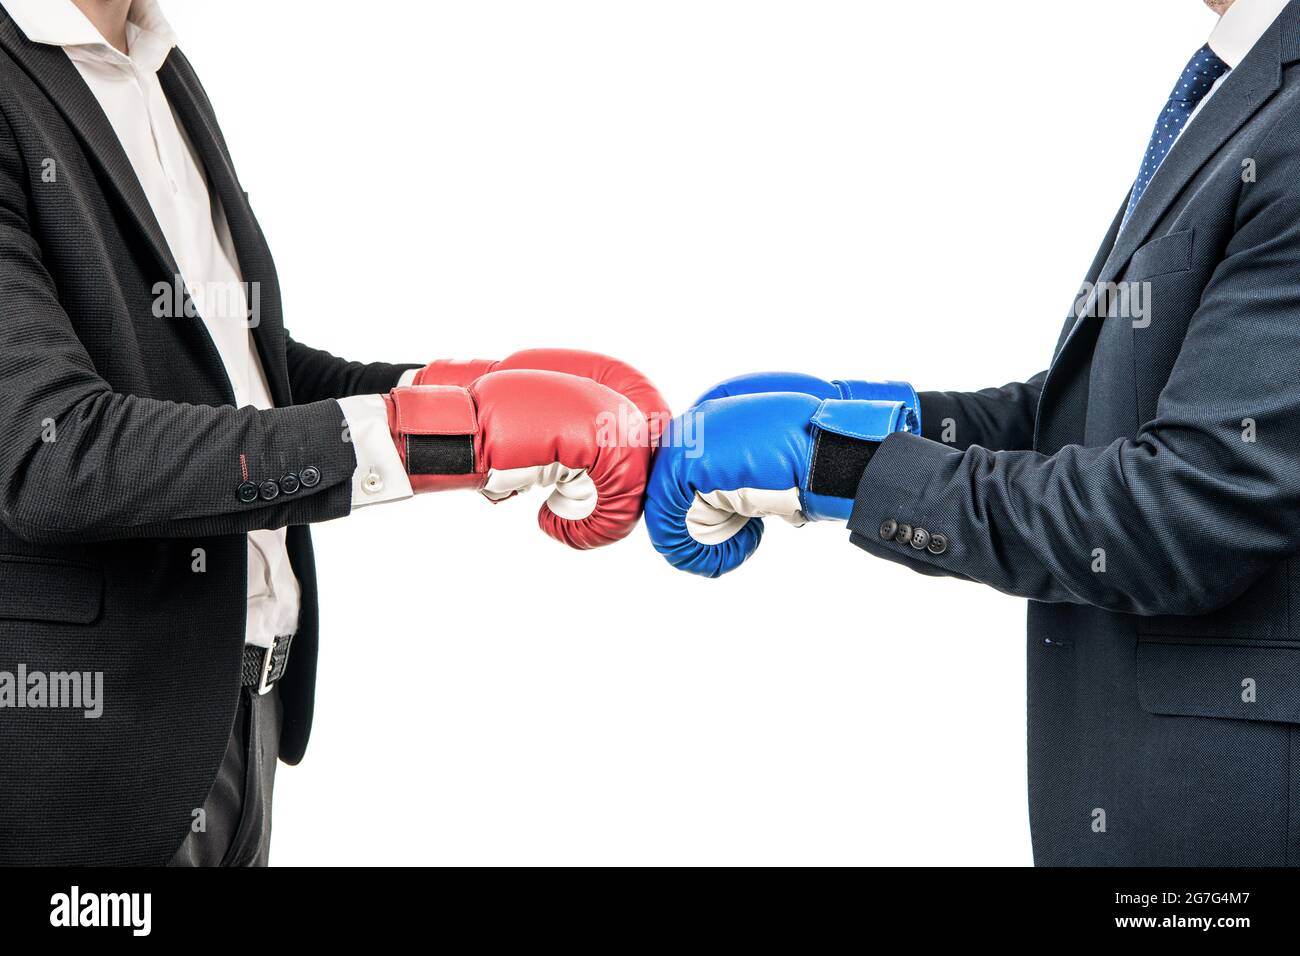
(903, 534)
(247, 492)
(887, 529)
(309, 476)
(269, 490)
(920, 539)
(938, 544)
(289, 483)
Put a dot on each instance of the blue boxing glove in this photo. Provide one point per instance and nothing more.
(811, 385)
(731, 461)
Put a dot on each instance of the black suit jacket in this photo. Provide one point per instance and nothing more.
(99, 526)
(1144, 494)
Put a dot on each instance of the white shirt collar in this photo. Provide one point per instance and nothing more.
(1240, 28)
(61, 23)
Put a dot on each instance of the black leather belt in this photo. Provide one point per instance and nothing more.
(263, 666)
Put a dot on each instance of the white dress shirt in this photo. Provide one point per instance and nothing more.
(194, 224)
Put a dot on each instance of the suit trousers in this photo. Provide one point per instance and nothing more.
(235, 827)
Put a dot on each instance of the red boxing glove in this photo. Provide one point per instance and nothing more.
(507, 431)
(619, 376)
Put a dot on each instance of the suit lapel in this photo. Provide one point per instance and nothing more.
(183, 93)
(1245, 90)
(51, 70)
(1072, 321)
(1090, 282)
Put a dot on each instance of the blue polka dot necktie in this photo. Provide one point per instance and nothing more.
(1198, 77)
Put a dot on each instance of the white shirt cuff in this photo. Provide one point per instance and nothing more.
(408, 377)
(380, 476)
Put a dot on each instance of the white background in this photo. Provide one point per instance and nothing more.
(703, 188)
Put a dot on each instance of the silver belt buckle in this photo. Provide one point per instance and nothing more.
(264, 685)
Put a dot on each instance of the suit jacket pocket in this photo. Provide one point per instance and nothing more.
(1241, 681)
(1260, 615)
(34, 588)
(1169, 253)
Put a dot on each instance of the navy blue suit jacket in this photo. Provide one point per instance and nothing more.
(1144, 495)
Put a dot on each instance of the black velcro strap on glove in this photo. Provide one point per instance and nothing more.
(440, 454)
(838, 462)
